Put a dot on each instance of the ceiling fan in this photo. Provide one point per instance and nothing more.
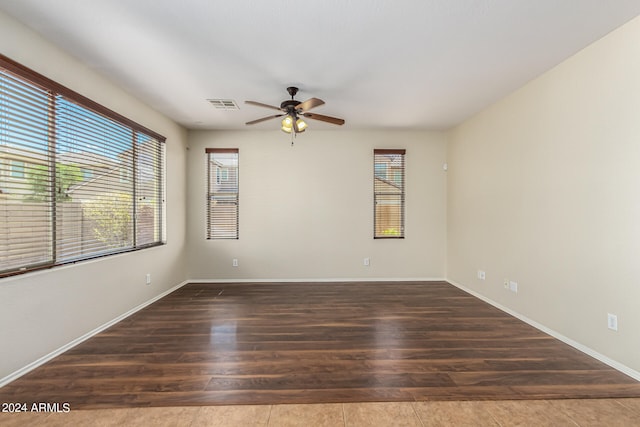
(293, 111)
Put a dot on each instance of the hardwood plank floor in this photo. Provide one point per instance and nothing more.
(275, 343)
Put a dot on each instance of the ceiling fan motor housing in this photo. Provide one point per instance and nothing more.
(289, 105)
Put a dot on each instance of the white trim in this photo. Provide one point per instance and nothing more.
(581, 347)
(44, 359)
(321, 280)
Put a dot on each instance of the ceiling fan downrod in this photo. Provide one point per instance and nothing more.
(292, 91)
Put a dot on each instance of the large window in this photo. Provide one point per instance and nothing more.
(77, 180)
(222, 193)
(388, 194)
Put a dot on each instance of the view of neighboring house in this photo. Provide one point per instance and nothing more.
(389, 168)
(109, 176)
(15, 166)
(21, 169)
(223, 174)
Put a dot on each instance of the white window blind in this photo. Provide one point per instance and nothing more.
(388, 193)
(91, 181)
(222, 193)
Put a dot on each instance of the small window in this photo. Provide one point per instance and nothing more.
(222, 193)
(380, 170)
(125, 175)
(222, 174)
(388, 194)
(17, 169)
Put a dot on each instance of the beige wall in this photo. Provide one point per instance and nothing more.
(306, 212)
(41, 312)
(544, 189)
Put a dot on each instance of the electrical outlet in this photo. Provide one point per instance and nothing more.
(367, 262)
(612, 322)
(513, 286)
(148, 278)
(482, 275)
(235, 262)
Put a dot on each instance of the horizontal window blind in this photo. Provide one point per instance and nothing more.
(76, 179)
(222, 193)
(26, 228)
(388, 193)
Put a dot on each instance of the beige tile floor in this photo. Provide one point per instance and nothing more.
(590, 412)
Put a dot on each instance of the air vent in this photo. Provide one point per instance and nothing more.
(224, 104)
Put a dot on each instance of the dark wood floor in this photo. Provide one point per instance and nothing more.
(214, 344)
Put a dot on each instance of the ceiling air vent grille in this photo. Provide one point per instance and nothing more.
(224, 104)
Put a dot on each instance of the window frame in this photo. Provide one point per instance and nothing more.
(382, 198)
(140, 135)
(222, 178)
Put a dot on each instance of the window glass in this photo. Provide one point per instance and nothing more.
(222, 193)
(388, 193)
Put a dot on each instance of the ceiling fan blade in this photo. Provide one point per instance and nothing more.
(260, 104)
(328, 119)
(309, 104)
(253, 122)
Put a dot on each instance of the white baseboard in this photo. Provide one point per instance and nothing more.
(44, 359)
(322, 280)
(586, 350)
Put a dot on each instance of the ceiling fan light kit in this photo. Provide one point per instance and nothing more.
(293, 111)
(287, 125)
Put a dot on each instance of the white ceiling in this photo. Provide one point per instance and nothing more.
(417, 64)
